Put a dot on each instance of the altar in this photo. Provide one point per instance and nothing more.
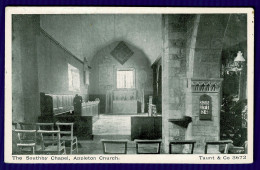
(125, 102)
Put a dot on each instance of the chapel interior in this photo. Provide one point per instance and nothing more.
(129, 83)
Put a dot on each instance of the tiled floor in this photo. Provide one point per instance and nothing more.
(112, 125)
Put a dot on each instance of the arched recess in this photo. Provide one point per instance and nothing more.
(103, 74)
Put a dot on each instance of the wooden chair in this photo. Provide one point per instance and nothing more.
(239, 150)
(148, 144)
(57, 146)
(14, 137)
(114, 145)
(26, 126)
(221, 142)
(46, 138)
(66, 131)
(14, 125)
(185, 142)
(26, 139)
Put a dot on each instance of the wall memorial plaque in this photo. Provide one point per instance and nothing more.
(205, 105)
(122, 52)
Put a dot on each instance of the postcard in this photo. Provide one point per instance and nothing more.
(129, 85)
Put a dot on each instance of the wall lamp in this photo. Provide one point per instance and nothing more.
(239, 60)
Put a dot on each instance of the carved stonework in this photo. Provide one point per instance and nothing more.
(206, 85)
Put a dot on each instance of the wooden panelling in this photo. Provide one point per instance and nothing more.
(56, 104)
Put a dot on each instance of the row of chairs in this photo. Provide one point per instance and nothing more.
(142, 144)
(120, 146)
(51, 139)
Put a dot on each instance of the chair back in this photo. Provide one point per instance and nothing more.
(148, 146)
(26, 136)
(239, 149)
(45, 126)
(27, 126)
(52, 133)
(226, 143)
(52, 148)
(66, 129)
(114, 146)
(14, 125)
(182, 143)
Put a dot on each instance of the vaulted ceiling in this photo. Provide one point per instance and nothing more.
(84, 35)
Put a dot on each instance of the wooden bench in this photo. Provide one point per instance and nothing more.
(56, 104)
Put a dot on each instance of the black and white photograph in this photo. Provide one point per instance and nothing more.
(129, 85)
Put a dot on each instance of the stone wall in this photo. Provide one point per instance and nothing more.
(205, 130)
(174, 70)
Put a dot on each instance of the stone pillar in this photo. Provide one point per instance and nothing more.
(174, 69)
